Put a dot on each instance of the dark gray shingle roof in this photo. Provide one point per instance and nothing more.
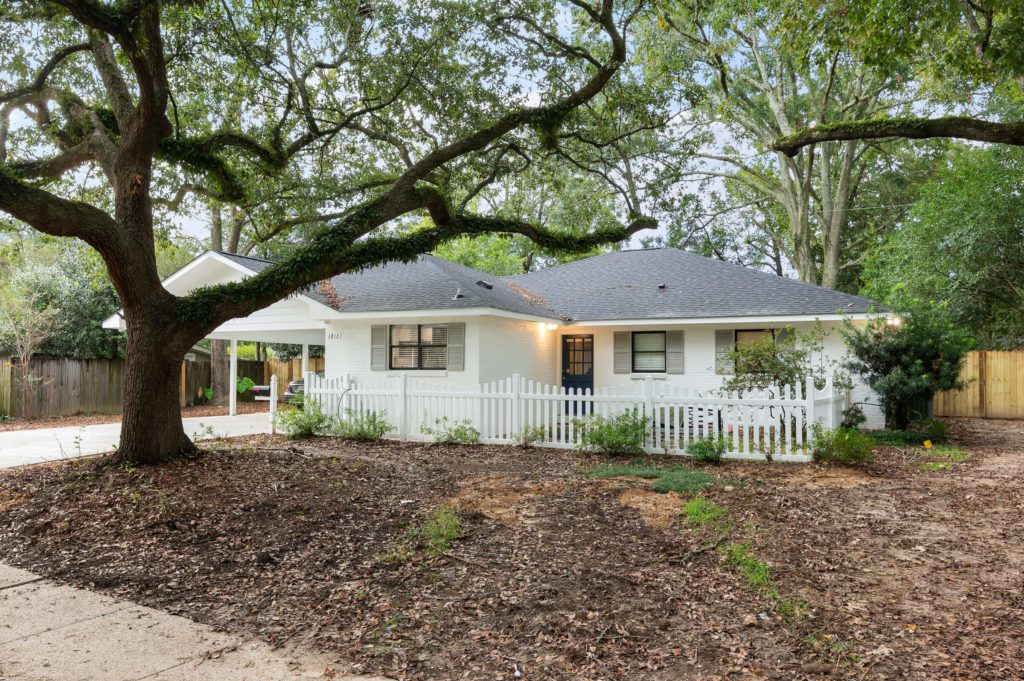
(616, 285)
(625, 285)
(428, 283)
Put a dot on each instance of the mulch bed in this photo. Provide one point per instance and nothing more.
(908, 574)
(94, 419)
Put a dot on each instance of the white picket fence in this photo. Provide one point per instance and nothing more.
(772, 423)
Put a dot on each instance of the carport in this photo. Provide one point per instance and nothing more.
(295, 320)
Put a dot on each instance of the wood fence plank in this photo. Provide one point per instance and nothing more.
(995, 388)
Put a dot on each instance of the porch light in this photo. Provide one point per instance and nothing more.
(550, 327)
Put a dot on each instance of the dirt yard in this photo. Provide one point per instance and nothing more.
(93, 419)
(909, 567)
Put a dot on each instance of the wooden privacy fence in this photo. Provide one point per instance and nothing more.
(64, 386)
(995, 388)
(774, 423)
(60, 387)
(286, 370)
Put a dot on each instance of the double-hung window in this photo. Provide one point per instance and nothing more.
(419, 346)
(649, 354)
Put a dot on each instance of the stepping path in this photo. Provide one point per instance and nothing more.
(51, 632)
(23, 447)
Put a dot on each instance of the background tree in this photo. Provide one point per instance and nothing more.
(752, 83)
(964, 244)
(344, 117)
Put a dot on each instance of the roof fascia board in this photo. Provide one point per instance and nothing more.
(762, 319)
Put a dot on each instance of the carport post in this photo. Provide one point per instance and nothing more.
(273, 404)
(305, 358)
(233, 380)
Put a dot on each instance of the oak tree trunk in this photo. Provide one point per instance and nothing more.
(151, 427)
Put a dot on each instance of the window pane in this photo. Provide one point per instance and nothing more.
(649, 361)
(434, 357)
(434, 335)
(404, 357)
(649, 342)
(751, 336)
(404, 334)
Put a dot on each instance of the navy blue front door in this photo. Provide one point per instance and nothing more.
(578, 362)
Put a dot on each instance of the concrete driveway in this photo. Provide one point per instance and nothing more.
(21, 447)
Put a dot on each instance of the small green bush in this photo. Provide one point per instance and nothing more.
(244, 383)
(622, 434)
(446, 432)
(306, 422)
(441, 528)
(529, 436)
(434, 534)
(366, 426)
(709, 449)
(845, 446)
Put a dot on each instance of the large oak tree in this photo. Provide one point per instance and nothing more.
(334, 118)
(959, 49)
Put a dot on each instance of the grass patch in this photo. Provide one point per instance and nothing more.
(940, 458)
(831, 649)
(948, 453)
(683, 480)
(712, 519)
(934, 466)
(433, 535)
(625, 470)
(700, 512)
(675, 479)
(759, 578)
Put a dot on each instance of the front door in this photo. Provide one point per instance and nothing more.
(578, 362)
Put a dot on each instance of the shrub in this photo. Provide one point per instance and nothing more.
(853, 417)
(244, 383)
(843, 446)
(365, 426)
(446, 432)
(710, 448)
(624, 433)
(306, 422)
(907, 363)
(529, 436)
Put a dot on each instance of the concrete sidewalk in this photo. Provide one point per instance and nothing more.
(22, 447)
(50, 632)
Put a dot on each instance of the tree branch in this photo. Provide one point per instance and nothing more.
(912, 128)
(40, 80)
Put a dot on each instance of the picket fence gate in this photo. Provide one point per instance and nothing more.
(773, 423)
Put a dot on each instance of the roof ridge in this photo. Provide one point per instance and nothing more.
(240, 255)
